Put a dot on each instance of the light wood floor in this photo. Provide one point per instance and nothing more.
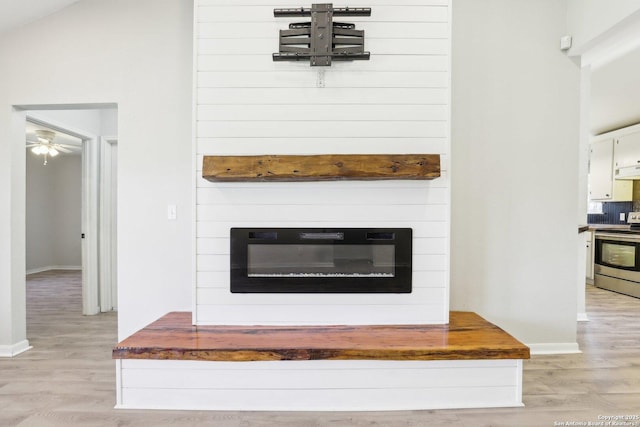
(68, 378)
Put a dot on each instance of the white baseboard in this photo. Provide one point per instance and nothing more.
(15, 349)
(582, 317)
(553, 348)
(54, 267)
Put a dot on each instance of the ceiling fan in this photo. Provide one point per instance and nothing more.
(43, 144)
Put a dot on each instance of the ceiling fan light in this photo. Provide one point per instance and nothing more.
(53, 152)
(40, 149)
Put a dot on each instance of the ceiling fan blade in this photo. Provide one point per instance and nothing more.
(62, 149)
(33, 144)
(70, 147)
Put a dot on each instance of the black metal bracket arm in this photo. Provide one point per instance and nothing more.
(321, 40)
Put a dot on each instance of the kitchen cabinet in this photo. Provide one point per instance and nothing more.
(627, 150)
(601, 170)
(602, 186)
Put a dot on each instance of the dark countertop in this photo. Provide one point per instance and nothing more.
(602, 227)
(596, 227)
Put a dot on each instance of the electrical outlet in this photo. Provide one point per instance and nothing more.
(622, 216)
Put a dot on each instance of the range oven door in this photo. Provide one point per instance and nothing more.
(618, 255)
(617, 263)
(618, 252)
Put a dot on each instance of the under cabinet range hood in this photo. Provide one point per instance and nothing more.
(627, 172)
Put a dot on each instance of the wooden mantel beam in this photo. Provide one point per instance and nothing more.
(327, 167)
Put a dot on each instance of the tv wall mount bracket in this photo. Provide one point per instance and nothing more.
(322, 40)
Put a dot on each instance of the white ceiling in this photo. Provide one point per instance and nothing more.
(16, 13)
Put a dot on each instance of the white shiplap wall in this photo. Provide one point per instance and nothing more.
(318, 385)
(397, 102)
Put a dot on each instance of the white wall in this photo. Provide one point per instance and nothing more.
(39, 220)
(615, 90)
(67, 210)
(12, 321)
(515, 133)
(109, 122)
(397, 102)
(53, 212)
(139, 56)
(588, 21)
(12, 236)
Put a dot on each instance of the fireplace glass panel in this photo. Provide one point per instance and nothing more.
(320, 260)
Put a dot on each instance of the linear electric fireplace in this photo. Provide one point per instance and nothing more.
(321, 260)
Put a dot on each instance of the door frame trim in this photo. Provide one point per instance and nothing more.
(108, 225)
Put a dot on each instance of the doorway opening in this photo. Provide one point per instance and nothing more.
(72, 197)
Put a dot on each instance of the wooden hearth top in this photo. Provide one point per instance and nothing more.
(467, 336)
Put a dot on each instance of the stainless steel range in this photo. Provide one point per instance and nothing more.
(617, 258)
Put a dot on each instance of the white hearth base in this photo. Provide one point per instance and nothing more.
(318, 385)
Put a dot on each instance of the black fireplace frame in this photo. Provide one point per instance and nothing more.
(401, 238)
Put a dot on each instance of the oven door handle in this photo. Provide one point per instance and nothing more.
(617, 237)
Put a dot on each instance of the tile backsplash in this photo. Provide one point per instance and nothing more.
(611, 213)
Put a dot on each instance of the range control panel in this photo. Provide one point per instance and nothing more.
(633, 218)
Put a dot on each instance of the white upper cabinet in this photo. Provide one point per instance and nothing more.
(602, 186)
(601, 170)
(627, 153)
(614, 163)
